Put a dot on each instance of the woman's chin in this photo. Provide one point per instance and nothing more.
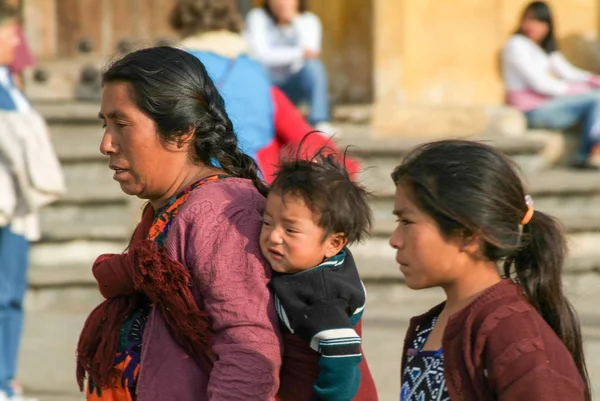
(130, 189)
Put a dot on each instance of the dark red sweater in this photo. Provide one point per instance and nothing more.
(500, 348)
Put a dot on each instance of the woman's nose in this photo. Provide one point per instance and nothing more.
(107, 144)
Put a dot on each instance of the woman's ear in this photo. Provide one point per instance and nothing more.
(335, 243)
(186, 137)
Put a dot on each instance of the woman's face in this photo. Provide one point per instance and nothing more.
(284, 10)
(144, 164)
(533, 28)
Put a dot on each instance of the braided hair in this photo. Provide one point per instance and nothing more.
(173, 88)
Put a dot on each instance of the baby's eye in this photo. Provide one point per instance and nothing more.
(266, 223)
(291, 230)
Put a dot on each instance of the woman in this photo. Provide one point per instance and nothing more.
(543, 84)
(286, 39)
(263, 117)
(188, 315)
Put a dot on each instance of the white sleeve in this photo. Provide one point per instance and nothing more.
(257, 34)
(518, 56)
(310, 30)
(566, 70)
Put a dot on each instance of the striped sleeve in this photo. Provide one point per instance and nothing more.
(329, 331)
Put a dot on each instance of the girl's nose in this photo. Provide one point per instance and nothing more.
(396, 239)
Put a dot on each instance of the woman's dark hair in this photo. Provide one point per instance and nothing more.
(541, 12)
(173, 88)
(302, 7)
(323, 183)
(472, 189)
(190, 17)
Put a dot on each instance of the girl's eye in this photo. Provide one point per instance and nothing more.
(404, 222)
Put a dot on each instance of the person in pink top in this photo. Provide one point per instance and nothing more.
(188, 315)
(551, 92)
(23, 59)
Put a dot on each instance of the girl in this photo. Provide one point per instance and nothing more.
(543, 84)
(510, 337)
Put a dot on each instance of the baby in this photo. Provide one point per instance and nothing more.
(313, 211)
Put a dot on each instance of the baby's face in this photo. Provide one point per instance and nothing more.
(291, 239)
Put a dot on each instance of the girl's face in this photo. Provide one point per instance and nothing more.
(533, 28)
(284, 10)
(426, 257)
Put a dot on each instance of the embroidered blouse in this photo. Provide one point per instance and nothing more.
(423, 378)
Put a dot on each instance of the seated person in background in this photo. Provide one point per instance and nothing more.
(543, 84)
(286, 39)
(313, 211)
(263, 118)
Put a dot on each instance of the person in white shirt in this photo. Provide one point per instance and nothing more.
(551, 92)
(286, 39)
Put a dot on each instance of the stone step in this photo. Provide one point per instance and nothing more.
(61, 112)
(78, 142)
(376, 260)
(93, 221)
(379, 157)
(363, 144)
(564, 193)
(50, 336)
(90, 182)
(68, 263)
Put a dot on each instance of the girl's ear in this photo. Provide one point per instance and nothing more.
(335, 243)
(470, 244)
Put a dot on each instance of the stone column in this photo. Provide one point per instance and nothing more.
(40, 27)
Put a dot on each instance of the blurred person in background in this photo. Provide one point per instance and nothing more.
(286, 39)
(30, 177)
(263, 117)
(23, 59)
(551, 92)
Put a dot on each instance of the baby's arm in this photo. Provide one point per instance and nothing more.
(325, 325)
